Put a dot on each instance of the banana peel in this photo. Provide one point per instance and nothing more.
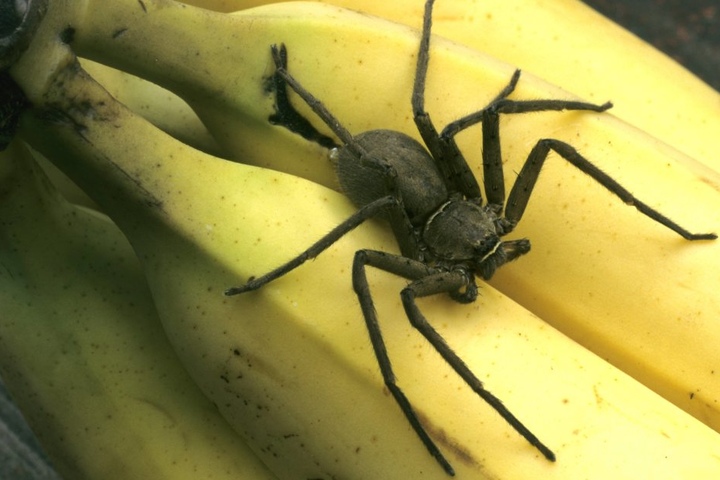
(285, 365)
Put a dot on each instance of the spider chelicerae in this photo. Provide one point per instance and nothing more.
(446, 233)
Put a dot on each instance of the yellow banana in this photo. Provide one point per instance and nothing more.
(591, 252)
(288, 366)
(569, 44)
(83, 352)
(162, 108)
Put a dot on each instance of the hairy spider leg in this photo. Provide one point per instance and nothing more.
(425, 281)
(285, 114)
(456, 173)
(493, 176)
(399, 221)
(279, 55)
(440, 283)
(521, 190)
(410, 269)
(456, 126)
(504, 105)
(368, 211)
(525, 182)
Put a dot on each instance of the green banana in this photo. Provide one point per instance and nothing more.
(574, 257)
(287, 366)
(83, 352)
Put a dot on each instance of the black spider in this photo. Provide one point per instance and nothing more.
(434, 206)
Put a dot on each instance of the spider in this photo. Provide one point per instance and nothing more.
(434, 205)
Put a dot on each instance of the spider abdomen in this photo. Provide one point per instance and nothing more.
(418, 180)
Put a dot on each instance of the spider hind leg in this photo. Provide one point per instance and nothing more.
(525, 182)
(425, 281)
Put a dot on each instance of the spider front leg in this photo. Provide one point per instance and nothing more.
(426, 281)
(523, 187)
(493, 177)
(368, 211)
(456, 173)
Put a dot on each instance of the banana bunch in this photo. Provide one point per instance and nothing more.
(286, 366)
(83, 352)
(603, 313)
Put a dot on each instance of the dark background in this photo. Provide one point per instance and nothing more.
(687, 30)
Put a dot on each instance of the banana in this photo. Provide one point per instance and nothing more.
(575, 56)
(83, 352)
(287, 366)
(567, 43)
(581, 278)
(164, 109)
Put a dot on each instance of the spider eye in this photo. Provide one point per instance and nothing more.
(487, 247)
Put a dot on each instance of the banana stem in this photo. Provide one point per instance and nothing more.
(76, 120)
(158, 41)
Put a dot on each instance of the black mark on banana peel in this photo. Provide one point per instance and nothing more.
(240, 362)
(287, 116)
(441, 436)
(73, 109)
(118, 32)
(57, 116)
(60, 118)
